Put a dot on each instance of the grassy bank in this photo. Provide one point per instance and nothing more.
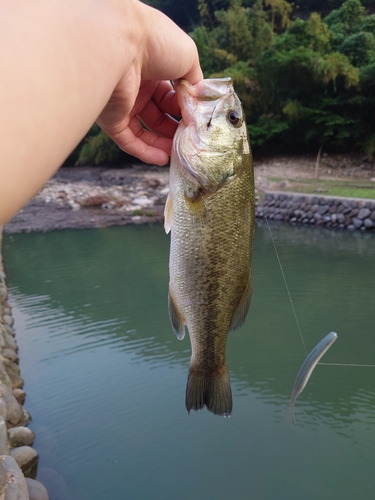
(351, 188)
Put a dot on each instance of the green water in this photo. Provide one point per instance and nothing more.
(105, 375)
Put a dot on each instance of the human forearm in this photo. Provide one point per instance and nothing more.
(60, 63)
(50, 87)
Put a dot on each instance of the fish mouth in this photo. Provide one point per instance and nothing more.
(189, 96)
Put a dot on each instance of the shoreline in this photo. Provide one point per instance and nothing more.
(18, 460)
(97, 197)
(85, 197)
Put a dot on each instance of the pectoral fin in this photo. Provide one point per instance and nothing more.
(239, 315)
(177, 321)
(168, 214)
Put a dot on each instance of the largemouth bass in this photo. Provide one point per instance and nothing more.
(210, 212)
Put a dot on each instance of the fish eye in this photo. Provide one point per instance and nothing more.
(234, 118)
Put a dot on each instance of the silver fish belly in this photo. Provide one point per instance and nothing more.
(307, 368)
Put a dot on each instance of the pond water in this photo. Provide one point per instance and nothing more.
(105, 375)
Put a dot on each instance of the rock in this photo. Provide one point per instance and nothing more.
(36, 490)
(4, 445)
(3, 292)
(17, 382)
(3, 480)
(9, 330)
(142, 202)
(363, 213)
(95, 200)
(14, 409)
(357, 223)
(10, 342)
(322, 209)
(20, 436)
(340, 218)
(16, 488)
(3, 408)
(372, 216)
(26, 417)
(74, 206)
(25, 456)
(9, 365)
(20, 395)
(351, 227)
(10, 354)
(108, 206)
(4, 377)
(8, 320)
(165, 191)
(317, 216)
(2, 335)
(368, 223)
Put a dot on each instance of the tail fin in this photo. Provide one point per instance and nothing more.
(212, 390)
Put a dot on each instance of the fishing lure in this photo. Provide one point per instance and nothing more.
(307, 368)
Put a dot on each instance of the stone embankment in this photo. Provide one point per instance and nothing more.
(17, 458)
(331, 212)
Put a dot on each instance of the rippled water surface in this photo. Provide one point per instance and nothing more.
(105, 375)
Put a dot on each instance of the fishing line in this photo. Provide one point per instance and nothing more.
(286, 284)
(294, 311)
(344, 364)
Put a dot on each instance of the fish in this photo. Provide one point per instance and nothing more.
(210, 214)
(307, 368)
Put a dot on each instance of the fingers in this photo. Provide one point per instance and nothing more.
(158, 122)
(155, 114)
(165, 98)
(143, 144)
(169, 53)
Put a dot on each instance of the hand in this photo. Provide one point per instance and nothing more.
(145, 92)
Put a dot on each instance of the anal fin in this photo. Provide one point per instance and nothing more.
(177, 321)
(239, 315)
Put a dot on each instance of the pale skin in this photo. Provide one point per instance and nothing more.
(65, 64)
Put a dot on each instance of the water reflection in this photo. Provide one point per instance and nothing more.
(94, 333)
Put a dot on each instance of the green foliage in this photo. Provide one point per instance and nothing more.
(97, 149)
(266, 130)
(303, 83)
